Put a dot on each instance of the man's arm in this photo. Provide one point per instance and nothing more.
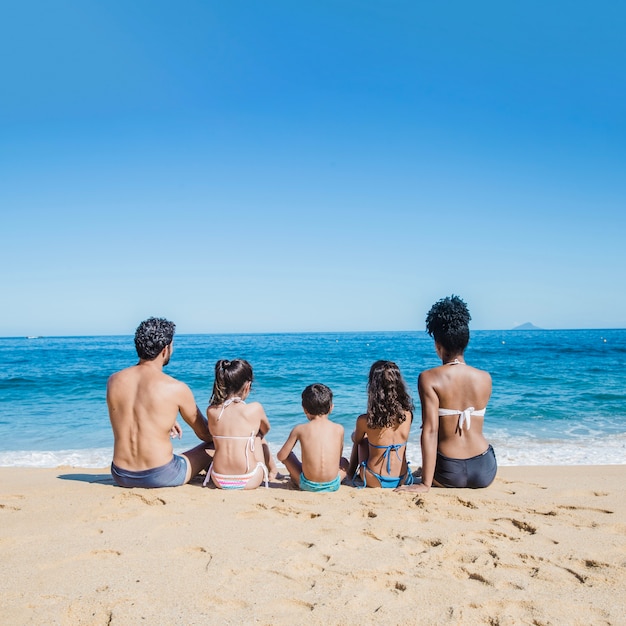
(192, 415)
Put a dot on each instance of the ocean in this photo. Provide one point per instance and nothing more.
(559, 397)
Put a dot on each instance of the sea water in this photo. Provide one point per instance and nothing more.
(559, 397)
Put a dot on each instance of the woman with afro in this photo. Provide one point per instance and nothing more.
(453, 396)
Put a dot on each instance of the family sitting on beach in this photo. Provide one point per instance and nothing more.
(144, 404)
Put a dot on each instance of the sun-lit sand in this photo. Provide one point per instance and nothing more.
(542, 545)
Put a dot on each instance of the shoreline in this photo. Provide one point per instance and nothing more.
(510, 452)
(543, 545)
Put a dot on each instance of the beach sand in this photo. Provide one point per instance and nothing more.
(542, 545)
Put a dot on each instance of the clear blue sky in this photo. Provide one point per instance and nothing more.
(301, 166)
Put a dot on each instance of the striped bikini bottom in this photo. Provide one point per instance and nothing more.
(235, 481)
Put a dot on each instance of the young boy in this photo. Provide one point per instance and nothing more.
(321, 441)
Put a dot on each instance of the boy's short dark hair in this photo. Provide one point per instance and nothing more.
(317, 399)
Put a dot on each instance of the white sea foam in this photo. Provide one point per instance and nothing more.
(88, 458)
(607, 450)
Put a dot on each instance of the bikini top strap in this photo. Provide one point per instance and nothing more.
(228, 402)
(466, 418)
(249, 444)
(387, 453)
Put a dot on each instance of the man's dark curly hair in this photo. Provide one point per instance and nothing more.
(317, 399)
(387, 396)
(448, 322)
(152, 335)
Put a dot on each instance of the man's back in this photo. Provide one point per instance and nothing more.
(143, 406)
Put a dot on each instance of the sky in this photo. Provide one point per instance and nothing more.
(283, 166)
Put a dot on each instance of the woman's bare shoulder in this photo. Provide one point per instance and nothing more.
(481, 374)
(428, 377)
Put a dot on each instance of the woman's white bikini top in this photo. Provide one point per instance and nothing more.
(465, 417)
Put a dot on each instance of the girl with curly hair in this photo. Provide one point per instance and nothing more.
(454, 396)
(379, 451)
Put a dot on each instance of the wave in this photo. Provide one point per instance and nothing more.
(88, 458)
(16, 381)
(518, 451)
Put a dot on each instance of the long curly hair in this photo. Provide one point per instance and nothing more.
(448, 323)
(230, 377)
(387, 396)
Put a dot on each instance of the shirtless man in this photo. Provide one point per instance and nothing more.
(144, 404)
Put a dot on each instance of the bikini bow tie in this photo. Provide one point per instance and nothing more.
(466, 417)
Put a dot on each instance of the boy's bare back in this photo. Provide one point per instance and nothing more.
(321, 442)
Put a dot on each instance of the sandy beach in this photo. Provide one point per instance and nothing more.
(542, 545)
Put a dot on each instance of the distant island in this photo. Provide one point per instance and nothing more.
(527, 326)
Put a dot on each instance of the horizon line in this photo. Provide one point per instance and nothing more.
(310, 332)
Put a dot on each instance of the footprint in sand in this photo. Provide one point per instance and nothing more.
(10, 507)
(525, 526)
(547, 513)
(546, 563)
(149, 500)
(202, 553)
(106, 553)
(300, 604)
(479, 577)
(370, 534)
(284, 509)
(569, 507)
(466, 503)
(579, 577)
